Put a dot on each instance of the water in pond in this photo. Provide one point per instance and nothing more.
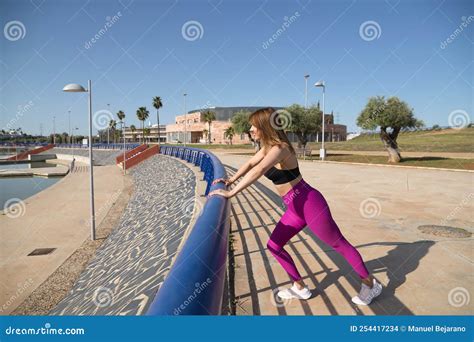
(25, 165)
(22, 187)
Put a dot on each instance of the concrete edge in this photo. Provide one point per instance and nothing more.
(398, 166)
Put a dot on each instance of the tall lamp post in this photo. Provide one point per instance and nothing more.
(108, 127)
(322, 151)
(77, 88)
(306, 90)
(124, 149)
(54, 130)
(69, 124)
(185, 119)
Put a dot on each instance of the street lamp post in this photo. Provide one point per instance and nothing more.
(322, 151)
(306, 91)
(77, 88)
(54, 130)
(185, 119)
(108, 127)
(69, 124)
(123, 134)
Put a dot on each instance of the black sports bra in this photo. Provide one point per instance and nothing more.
(278, 176)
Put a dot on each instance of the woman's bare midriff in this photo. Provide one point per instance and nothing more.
(284, 188)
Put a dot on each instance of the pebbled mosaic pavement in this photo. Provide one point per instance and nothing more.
(129, 267)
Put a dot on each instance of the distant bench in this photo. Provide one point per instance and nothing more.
(303, 152)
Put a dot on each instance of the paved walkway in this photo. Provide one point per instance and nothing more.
(56, 217)
(129, 267)
(378, 210)
(101, 157)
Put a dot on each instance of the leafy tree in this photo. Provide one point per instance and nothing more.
(241, 124)
(304, 121)
(391, 116)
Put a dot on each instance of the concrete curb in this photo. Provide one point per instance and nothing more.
(383, 165)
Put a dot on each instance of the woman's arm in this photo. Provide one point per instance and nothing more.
(257, 158)
(275, 154)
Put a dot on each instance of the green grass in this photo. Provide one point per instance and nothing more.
(448, 140)
(435, 162)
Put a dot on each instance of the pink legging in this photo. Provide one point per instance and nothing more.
(307, 206)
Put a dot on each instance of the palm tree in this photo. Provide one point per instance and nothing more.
(121, 116)
(208, 117)
(146, 132)
(229, 133)
(133, 129)
(112, 126)
(157, 104)
(142, 115)
(204, 133)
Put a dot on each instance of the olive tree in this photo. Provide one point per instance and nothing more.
(391, 116)
(304, 121)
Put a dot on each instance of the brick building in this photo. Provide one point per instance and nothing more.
(196, 128)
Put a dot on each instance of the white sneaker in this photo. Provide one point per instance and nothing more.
(366, 293)
(294, 292)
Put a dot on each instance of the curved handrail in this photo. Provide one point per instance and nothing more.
(195, 282)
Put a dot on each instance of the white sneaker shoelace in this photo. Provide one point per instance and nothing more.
(294, 292)
(367, 294)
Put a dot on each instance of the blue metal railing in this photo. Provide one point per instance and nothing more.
(101, 146)
(195, 283)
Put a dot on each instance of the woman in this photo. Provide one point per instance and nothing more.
(306, 206)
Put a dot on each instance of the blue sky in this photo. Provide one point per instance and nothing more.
(230, 62)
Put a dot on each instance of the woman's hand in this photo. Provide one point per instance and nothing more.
(226, 181)
(221, 192)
